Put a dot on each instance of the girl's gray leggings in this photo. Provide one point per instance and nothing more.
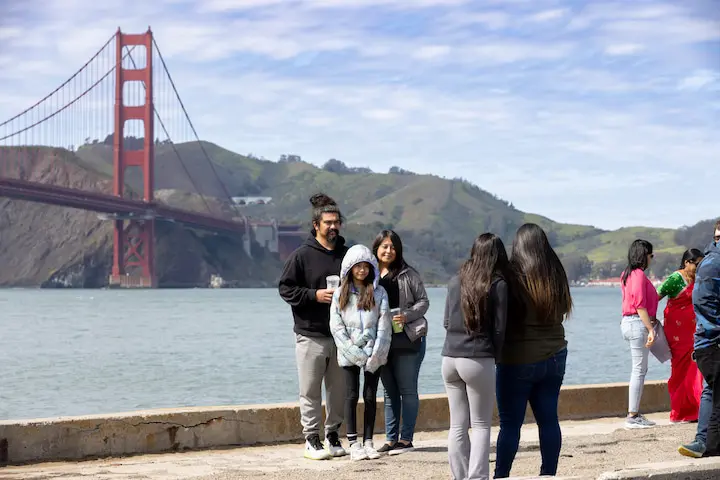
(470, 386)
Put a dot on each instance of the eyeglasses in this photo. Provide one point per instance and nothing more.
(716, 238)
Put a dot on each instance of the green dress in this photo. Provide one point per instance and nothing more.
(672, 286)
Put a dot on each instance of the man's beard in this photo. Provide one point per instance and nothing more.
(332, 235)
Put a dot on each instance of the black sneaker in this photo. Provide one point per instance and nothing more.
(333, 445)
(400, 448)
(387, 447)
(314, 449)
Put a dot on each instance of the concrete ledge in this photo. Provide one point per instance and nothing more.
(690, 469)
(177, 429)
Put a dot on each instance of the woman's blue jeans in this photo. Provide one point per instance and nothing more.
(400, 382)
(538, 383)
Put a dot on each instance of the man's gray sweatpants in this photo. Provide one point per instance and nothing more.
(317, 361)
(470, 386)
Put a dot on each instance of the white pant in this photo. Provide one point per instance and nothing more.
(636, 334)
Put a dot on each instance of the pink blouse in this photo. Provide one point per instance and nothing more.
(639, 292)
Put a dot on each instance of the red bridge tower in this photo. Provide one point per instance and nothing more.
(134, 238)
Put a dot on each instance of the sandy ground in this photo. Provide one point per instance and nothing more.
(589, 448)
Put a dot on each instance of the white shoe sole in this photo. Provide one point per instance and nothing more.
(400, 452)
(635, 426)
(310, 456)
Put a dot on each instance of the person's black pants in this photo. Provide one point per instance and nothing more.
(708, 361)
(352, 395)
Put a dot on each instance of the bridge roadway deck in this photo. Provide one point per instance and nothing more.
(590, 448)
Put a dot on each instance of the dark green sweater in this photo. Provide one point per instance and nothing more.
(529, 341)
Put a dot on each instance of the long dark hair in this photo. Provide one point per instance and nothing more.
(691, 255)
(366, 295)
(541, 274)
(488, 259)
(637, 258)
(397, 265)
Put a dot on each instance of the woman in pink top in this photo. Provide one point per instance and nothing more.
(639, 308)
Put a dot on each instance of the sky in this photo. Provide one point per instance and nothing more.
(600, 112)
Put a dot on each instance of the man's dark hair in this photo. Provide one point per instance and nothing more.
(322, 203)
(717, 225)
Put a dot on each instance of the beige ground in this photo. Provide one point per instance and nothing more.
(589, 448)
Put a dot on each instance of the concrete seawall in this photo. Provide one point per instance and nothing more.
(177, 429)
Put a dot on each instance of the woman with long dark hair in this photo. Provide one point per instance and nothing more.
(531, 366)
(408, 299)
(685, 383)
(639, 311)
(475, 317)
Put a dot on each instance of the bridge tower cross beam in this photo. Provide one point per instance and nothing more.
(133, 239)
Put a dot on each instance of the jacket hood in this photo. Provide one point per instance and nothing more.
(358, 254)
(312, 242)
(713, 247)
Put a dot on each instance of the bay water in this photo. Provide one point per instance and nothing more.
(77, 352)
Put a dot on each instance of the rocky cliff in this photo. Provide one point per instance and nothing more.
(42, 245)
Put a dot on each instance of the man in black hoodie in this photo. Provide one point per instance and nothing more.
(303, 285)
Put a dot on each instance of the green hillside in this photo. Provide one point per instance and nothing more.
(438, 218)
(613, 246)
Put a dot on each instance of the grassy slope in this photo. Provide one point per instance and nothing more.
(424, 202)
(611, 246)
(453, 209)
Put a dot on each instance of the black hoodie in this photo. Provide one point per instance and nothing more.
(304, 273)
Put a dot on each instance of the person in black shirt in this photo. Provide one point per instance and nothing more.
(303, 285)
(406, 292)
(476, 311)
(531, 367)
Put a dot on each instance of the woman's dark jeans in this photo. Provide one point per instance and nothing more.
(538, 383)
(400, 382)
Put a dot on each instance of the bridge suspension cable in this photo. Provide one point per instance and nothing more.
(177, 153)
(197, 137)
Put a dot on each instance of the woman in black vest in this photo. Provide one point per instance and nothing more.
(406, 294)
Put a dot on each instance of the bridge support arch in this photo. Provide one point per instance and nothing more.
(133, 238)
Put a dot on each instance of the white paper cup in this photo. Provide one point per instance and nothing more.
(333, 282)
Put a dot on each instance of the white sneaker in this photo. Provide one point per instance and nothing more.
(357, 452)
(333, 445)
(314, 449)
(370, 451)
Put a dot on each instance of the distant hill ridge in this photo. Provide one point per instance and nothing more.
(438, 218)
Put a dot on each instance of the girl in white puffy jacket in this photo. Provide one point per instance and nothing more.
(360, 324)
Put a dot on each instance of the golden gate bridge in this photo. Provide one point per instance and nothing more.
(120, 116)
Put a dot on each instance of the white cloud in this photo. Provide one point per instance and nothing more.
(699, 80)
(624, 49)
(431, 51)
(239, 5)
(494, 20)
(548, 15)
(510, 99)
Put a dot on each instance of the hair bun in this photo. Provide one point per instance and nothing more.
(320, 200)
